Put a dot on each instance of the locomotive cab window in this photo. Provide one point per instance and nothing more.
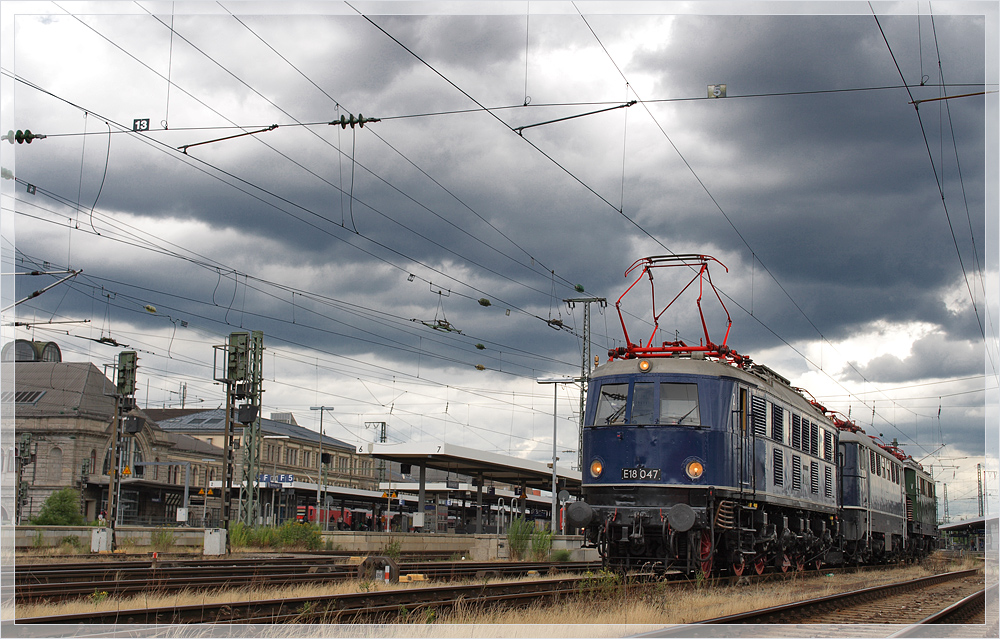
(611, 404)
(679, 404)
(642, 403)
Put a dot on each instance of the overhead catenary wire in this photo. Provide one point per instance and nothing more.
(250, 185)
(937, 180)
(119, 47)
(732, 224)
(619, 207)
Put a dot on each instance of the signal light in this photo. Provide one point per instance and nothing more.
(22, 136)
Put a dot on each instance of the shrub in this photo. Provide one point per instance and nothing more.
(392, 550)
(294, 534)
(62, 508)
(71, 543)
(291, 534)
(162, 539)
(518, 537)
(562, 554)
(239, 535)
(541, 543)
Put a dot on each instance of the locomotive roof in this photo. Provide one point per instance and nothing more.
(869, 441)
(763, 378)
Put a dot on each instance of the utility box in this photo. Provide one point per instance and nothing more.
(215, 541)
(418, 520)
(100, 540)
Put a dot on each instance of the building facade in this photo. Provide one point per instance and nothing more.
(171, 467)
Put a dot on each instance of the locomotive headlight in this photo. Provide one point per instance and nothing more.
(644, 365)
(596, 468)
(694, 469)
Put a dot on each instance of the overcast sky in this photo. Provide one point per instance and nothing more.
(814, 180)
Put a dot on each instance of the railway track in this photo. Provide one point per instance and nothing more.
(970, 610)
(53, 583)
(400, 605)
(899, 603)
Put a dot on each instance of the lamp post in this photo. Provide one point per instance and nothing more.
(319, 486)
(555, 426)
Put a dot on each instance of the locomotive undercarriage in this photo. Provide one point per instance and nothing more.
(716, 533)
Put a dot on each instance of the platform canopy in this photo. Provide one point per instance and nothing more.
(473, 462)
(978, 523)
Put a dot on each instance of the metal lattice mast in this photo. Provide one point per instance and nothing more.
(979, 480)
(947, 517)
(585, 366)
(382, 439)
(238, 371)
(124, 402)
(250, 445)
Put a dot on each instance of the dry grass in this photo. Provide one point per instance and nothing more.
(629, 607)
(670, 605)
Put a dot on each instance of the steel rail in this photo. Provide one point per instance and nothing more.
(138, 580)
(960, 612)
(340, 607)
(778, 614)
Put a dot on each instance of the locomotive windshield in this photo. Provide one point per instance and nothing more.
(611, 404)
(677, 404)
(642, 403)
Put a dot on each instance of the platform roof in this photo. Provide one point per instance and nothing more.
(471, 462)
(977, 523)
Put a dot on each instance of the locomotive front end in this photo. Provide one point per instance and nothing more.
(652, 432)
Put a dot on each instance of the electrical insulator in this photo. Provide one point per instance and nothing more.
(22, 136)
(361, 120)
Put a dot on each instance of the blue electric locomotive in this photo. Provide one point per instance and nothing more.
(697, 459)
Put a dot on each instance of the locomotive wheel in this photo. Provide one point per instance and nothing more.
(759, 564)
(819, 564)
(705, 553)
(800, 563)
(739, 568)
(783, 562)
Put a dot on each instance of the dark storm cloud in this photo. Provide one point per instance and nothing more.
(834, 193)
(838, 197)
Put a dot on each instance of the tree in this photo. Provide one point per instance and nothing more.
(62, 508)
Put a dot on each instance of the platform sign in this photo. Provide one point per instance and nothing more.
(279, 480)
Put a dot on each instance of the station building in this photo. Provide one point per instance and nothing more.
(63, 415)
(172, 463)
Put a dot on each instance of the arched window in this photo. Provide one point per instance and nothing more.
(138, 470)
(55, 465)
(156, 469)
(93, 461)
(108, 461)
